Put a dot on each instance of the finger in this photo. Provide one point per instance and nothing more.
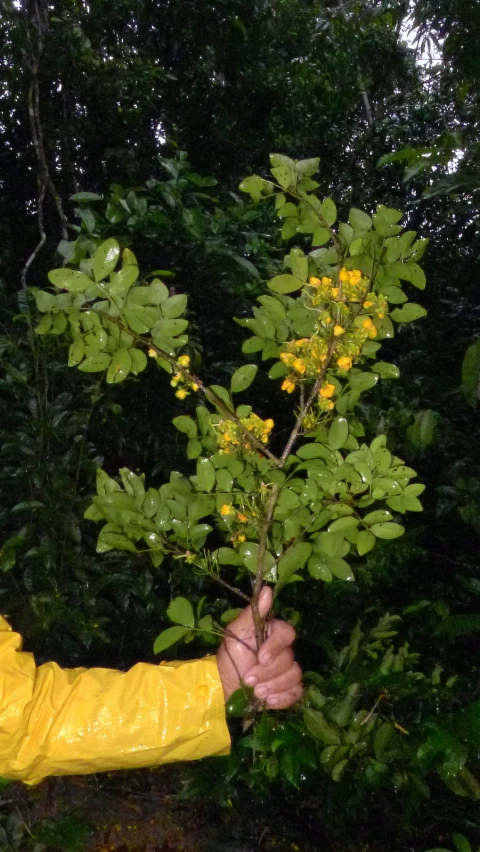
(280, 664)
(282, 700)
(281, 636)
(243, 625)
(287, 680)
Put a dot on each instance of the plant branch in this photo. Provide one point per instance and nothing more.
(208, 393)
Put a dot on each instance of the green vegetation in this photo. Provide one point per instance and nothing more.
(295, 463)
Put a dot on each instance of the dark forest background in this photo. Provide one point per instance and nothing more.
(138, 119)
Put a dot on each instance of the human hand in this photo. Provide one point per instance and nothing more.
(273, 672)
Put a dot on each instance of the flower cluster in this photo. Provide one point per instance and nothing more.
(234, 518)
(350, 287)
(304, 359)
(180, 378)
(230, 435)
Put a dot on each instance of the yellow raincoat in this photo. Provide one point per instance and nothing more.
(57, 721)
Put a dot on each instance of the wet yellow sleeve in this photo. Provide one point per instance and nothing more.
(57, 721)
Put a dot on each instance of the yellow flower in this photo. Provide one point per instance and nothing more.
(355, 273)
(304, 341)
(314, 282)
(338, 330)
(225, 510)
(368, 304)
(181, 394)
(381, 316)
(286, 357)
(242, 518)
(326, 281)
(344, 362)
(335, 292)
(241, 537)
(269, 424)
(184, 360)
(343, 275)
(327, 390)
(329, 405)
(152, 353)
(327, 320)
(194, 386)
(370, 327)
(299, 365)
(288, 386)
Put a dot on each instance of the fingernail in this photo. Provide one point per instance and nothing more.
(261, 691)
(251, 680)
(265, 659)
(272, 701)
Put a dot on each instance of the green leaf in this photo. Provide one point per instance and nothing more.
(377, 517)
(180, 611)
(307, 168)
(139, 361)
(111, 540)
(248, 550)
(365, 542)
(254, 185)
(461, 842)
(122, 281)
(105, 259)
(319, 727)
(408, 313)
(363, 381)
(174, 306)
(86, 196)
(96, 363)
(293, 560)
(359, 220)
(387, 530)
(224, 480)
(228, 556)
(44, 325)
(318, 569)
(69, 279)
(168, 637)
(299, 264)
(328, 211)
(284, 175)
(76, 352)
(471, 373)
(284, 283)
(186, 425)
(408, 271)
(338, 433)
(252, 344)
(343, 524)
(45, 301)
(205, 474)
(243, 378)
(194, 448)
(158, 292)
(238, 702)
(385, 370)
(340, 569)
(119, 367)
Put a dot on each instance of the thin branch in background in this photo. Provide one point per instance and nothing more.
(44, 178)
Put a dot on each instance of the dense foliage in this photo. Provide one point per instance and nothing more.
(98, 106)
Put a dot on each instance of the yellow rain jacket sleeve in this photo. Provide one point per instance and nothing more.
(57, 721)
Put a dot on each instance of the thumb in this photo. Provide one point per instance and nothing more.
(265, 601)
(244, 622)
